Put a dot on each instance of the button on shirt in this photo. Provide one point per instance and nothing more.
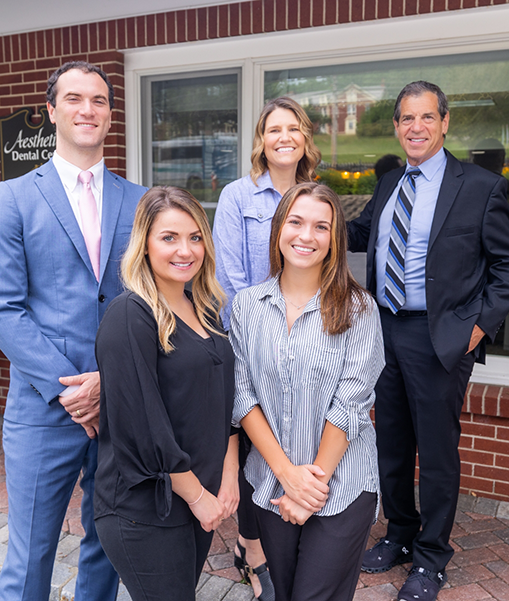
(241, 235)
(68, 174)
(302, 379)
(427, 187)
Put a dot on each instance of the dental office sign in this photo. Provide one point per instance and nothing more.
(23, 144)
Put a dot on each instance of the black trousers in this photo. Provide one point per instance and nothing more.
(418, 405)
(320, 560)
(246, 514)
(155, 563)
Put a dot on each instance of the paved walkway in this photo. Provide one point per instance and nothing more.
(478, 571)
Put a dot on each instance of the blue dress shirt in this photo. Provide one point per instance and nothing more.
(427, 187)
(241, 235)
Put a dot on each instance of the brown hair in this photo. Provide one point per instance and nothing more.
(208, 296)
(340, 295)
(312, 156)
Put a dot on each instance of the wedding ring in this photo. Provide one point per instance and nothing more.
(78, 413)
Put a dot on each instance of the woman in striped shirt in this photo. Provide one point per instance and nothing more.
(308, 352)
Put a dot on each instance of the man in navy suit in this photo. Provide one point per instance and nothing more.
(436, 233)
(53, 294)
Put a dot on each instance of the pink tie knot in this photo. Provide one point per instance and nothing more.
(85, 177)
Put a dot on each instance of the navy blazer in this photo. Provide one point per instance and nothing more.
(50, 302)
(467, 265)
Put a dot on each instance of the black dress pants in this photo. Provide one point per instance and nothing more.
(321, 560)
(246, 514)
(155, 563)
(418, 405)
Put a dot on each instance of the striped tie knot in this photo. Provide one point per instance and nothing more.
(395, 266)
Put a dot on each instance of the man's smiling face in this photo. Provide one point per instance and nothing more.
(421, 130)
(82, 114)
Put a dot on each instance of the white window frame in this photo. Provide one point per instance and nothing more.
(454, 32)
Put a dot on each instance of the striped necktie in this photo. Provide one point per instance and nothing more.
(395, 267)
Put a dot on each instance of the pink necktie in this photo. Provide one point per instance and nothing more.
(90, 221)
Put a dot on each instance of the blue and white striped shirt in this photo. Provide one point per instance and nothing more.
(302, 379)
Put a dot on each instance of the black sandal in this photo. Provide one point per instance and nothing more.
(261, 571)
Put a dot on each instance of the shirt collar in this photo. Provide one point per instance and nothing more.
(264, 183)
(68, 173)
(271, 288)
(430, 167)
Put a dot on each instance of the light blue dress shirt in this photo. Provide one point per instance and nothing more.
(427, 187)
(301, 380)
(241, 235)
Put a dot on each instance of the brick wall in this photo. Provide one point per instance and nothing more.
(27, 60)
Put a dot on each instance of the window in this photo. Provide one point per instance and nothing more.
(191, 133)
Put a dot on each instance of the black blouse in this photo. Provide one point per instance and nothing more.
(159, 413)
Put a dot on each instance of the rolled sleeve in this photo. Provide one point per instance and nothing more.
(363, 363)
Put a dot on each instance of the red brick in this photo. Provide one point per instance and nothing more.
(84, 43)
(466, 469)
(11, 101)
(48, 63)
(410, 7)
(396, 8)
(222, 21)
(141, 38)
(34, 76)
(41, 87)
(130, 32)
(383, 9)
(112, 34)
(476, 457)
(369, 10)
(107, 56)
(281, 24)
(453, 4)
(24, 66)
(269, 15)
(10, 78)
(502, 433)
(474, 557)
(469, 3)
(33, 99)
(102, 35)
(502, 461)
(476, 429)
(494, 446)
(245, 18)
(476, 484)
(331, 12)
(490, 419)
(181, 26)
(438, 5)
(234, 19)
(202, 24)
(161, 29)
(493, 473)
(94, 36)
(469, 592)
(293, 15)
(502, 488)
(23, 46)
(39, 36)
(16, 55)
(66, 40)
(317, 14)
(171, 23)
(483, 2)
(74, 39)
(32, 45)
(22, 88)
(192, 33)
(495, 2)
(466, 442)
(305, 13)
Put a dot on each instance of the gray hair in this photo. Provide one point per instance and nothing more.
(417, 88)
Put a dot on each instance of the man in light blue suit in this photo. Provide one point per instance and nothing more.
(53, 294)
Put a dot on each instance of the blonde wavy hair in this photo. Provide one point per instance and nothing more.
(312, 156)
(208, 296)
(341, 297)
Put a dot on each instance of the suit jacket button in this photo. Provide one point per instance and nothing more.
(102, 298)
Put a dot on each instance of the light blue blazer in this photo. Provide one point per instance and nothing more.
(50, 302)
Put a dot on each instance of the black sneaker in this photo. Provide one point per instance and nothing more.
(422, 585)
(384, 556)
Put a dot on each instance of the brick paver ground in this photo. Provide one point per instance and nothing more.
(478, 571)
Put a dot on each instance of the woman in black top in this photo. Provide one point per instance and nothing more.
(162, 483)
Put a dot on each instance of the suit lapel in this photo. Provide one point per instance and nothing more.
(52, 189)
(449, 189)
(113, 193)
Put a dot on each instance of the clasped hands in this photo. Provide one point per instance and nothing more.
(83, 404)
(304, 494)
